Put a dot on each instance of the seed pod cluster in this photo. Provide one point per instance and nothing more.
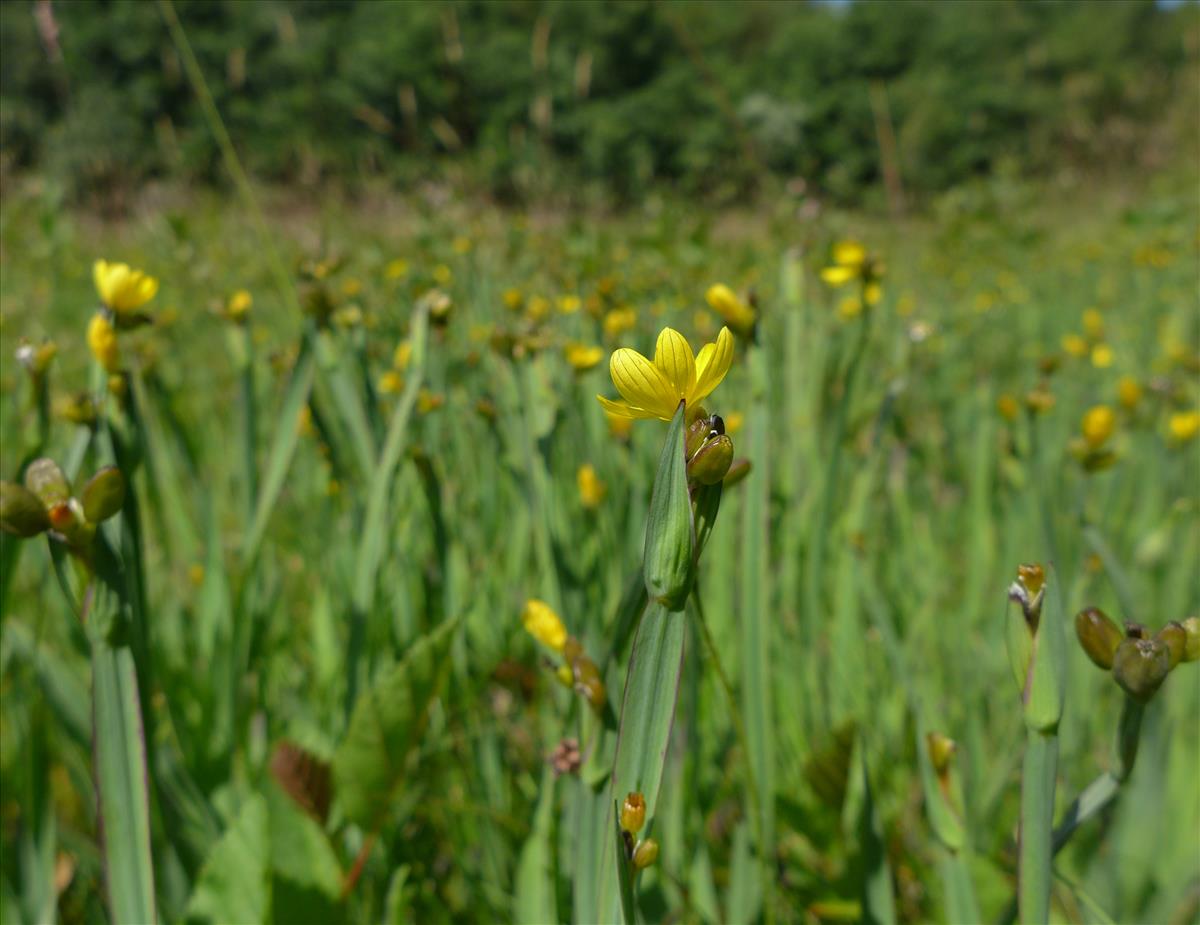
(1138, 661)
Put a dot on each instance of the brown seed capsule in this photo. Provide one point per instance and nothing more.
(1140, 666)
(633, 813)
(21, 511)
(1099, 636)
(1174, 636)
(645, 854)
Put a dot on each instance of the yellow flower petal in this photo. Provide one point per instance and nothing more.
(642, 384)
(849, 254)
(623, 410)
(711, 366)
(838, 276)
(674, 358)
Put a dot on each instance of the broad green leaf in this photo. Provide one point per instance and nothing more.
(387, 722)
(234, 884)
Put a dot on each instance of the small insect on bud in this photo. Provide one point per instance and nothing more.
(103, 495)
(941, 751)
(1140, 666)
(645, 854)
(1174, 637)
(21, 511)
(1099, 636)
(633, 813)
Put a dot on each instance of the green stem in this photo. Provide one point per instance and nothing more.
(1037, 817)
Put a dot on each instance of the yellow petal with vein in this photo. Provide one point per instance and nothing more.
(675, 360)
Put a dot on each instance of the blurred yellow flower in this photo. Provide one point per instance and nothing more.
(538, 308)
(1098, 425)
(1184, 425)
(391, 382)
(428, 401)
(569, 304)
(733, 422)
(655, 389)
(849, 307)
(849, 262)
(121, 288)
(582, 357)
(591, 489)
(1093, 324)
(239, 305)
(872, 293)
(1008, 407)
(1102, 356)
(351, 287)
(1039, 400)
(1074, 345)
(402, 355)
(1129, 392)
(619, 320)
(461, 245)
(544, 625)
(513, 300)
(102, 341)
(443, 274)
(396, 268)
(725, 302)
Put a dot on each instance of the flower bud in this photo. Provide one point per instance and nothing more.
(1032, 577)
(645, 854)
(712, 461)
(1098, 635)
(1191, 646)
(103, 495)
(1140, 665)
(544, 625)
(1174, 636)
(21, 512)
(738, 470)
(941, 751)
(633, 813)
(46, 480)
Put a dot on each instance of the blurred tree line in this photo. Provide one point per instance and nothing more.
(711, 96)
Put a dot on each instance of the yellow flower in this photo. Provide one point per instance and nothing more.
(872, 293)
(582, 357)
(1102, 356)
(1093, 324)
(655, 389)
(102, 341)
(1129, 392)
(1098, 425)
(619, 320)
(569, 304)
(396, 269)
(428, 401)
(1008, 407)
(402, 355)
(239, 305)
(725, 303)
(591, 489)
(1184, 425)
(1075, 345)
(461, 245)
(543, 624)
(513, 300)
(351, 287)
(391, 382)
(850, 307)
(849, 262)
(733, 422)
(121, 288)
(538, 308)
(443, 274)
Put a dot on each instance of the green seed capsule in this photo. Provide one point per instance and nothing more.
(21, 512)
(712, 461)
(46, 480)
(738, 470)
(1099, 636)
(1140, 666)
(103, 495)
(1191, 648)
(645, 854)
(1174, 636)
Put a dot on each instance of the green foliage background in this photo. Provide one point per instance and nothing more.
(536, 95)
